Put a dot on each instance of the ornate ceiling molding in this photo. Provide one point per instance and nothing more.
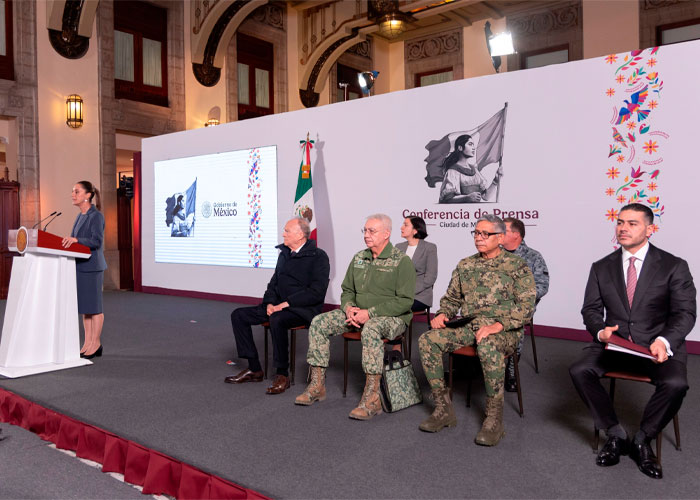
(658, 4)
(362, 49)
(548, 21)
(443, 43)
(270, 14)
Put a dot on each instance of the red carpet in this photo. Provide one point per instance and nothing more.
(157, 473)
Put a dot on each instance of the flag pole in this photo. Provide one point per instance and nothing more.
(500, 160)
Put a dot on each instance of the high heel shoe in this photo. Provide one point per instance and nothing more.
(96, 354)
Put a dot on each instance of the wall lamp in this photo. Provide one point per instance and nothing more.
(213, 117)
(74, 111)
(366, 80)
(498, 45)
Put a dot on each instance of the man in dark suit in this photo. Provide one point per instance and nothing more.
(294, 295)
(645, 295)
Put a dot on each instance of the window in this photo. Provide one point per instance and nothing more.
(434, 77)
(255, 84)
(140, 52)
(348, 75)
(545, 57)
(7, 65)
(678, 32)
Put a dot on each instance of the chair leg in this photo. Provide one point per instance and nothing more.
(534, 348)
(596, 439)
(612, 390)
(345, 366)
(410, 340)
(406, 347)
(677, 431)
(469, 388)
(449, 374)
(517, 382)
(265, 335)
(292, 353)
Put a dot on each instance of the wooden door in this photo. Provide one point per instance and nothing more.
(9, 219)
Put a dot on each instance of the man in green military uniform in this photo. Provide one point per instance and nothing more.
(377, 297)
(496, 292)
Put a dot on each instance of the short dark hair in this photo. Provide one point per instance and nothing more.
(516, 225)
(419, 225)
(638, 207)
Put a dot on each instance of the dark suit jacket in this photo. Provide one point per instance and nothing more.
(91, 234)
(300, 279)
(425, 261)
(663, 305)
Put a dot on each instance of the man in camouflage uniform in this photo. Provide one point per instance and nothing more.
(495, 291)
(514, 242)
(377, 297)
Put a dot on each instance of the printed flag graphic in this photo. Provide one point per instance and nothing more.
(489, 148)
(304, 197)
(191, 204)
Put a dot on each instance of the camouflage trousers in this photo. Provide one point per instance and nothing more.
(491, 351)
(332, 323)
(509, 365)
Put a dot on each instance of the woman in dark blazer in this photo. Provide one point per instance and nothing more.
(424, 257)
(89, 230)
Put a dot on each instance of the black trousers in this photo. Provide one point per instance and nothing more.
(670, 379)
(280, 322)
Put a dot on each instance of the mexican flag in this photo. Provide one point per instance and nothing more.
(304, 197)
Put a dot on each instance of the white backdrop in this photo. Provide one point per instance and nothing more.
(563, 169)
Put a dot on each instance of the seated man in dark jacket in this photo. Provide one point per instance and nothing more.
(294, 295)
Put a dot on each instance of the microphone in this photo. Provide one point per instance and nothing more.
(49, 222)
(42, 220)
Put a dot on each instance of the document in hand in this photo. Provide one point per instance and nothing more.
(617, 343)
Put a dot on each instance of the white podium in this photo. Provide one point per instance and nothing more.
(40, 332)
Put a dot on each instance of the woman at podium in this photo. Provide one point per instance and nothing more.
(89, 230)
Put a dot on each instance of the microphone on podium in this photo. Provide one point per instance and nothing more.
(49, 222)
(42, 220)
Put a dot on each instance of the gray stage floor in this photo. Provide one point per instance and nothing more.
(160, 383)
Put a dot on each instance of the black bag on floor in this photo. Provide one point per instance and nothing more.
(399, 386)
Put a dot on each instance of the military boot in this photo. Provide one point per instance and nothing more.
(492, 430)
(443, 415)
(370, 404)
(316, 390)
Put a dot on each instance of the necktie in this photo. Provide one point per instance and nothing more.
(631, 280)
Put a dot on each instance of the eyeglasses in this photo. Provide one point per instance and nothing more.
(371, 231)
(484, 234)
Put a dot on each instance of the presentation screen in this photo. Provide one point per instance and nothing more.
(217, 209)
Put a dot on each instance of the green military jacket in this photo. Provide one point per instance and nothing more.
(384, 286)
(499, 289)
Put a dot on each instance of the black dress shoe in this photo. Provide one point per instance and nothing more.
(96, 354)
(644, 457)
(611, 451)
(246, 375)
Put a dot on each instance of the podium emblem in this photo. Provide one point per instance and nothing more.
(22, 239)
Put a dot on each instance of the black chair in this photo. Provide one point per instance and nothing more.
(531, 326)
(292, 347)
(614, 376)
(470, 351)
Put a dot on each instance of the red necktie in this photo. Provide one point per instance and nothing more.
(631, 285)
(631, 280)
